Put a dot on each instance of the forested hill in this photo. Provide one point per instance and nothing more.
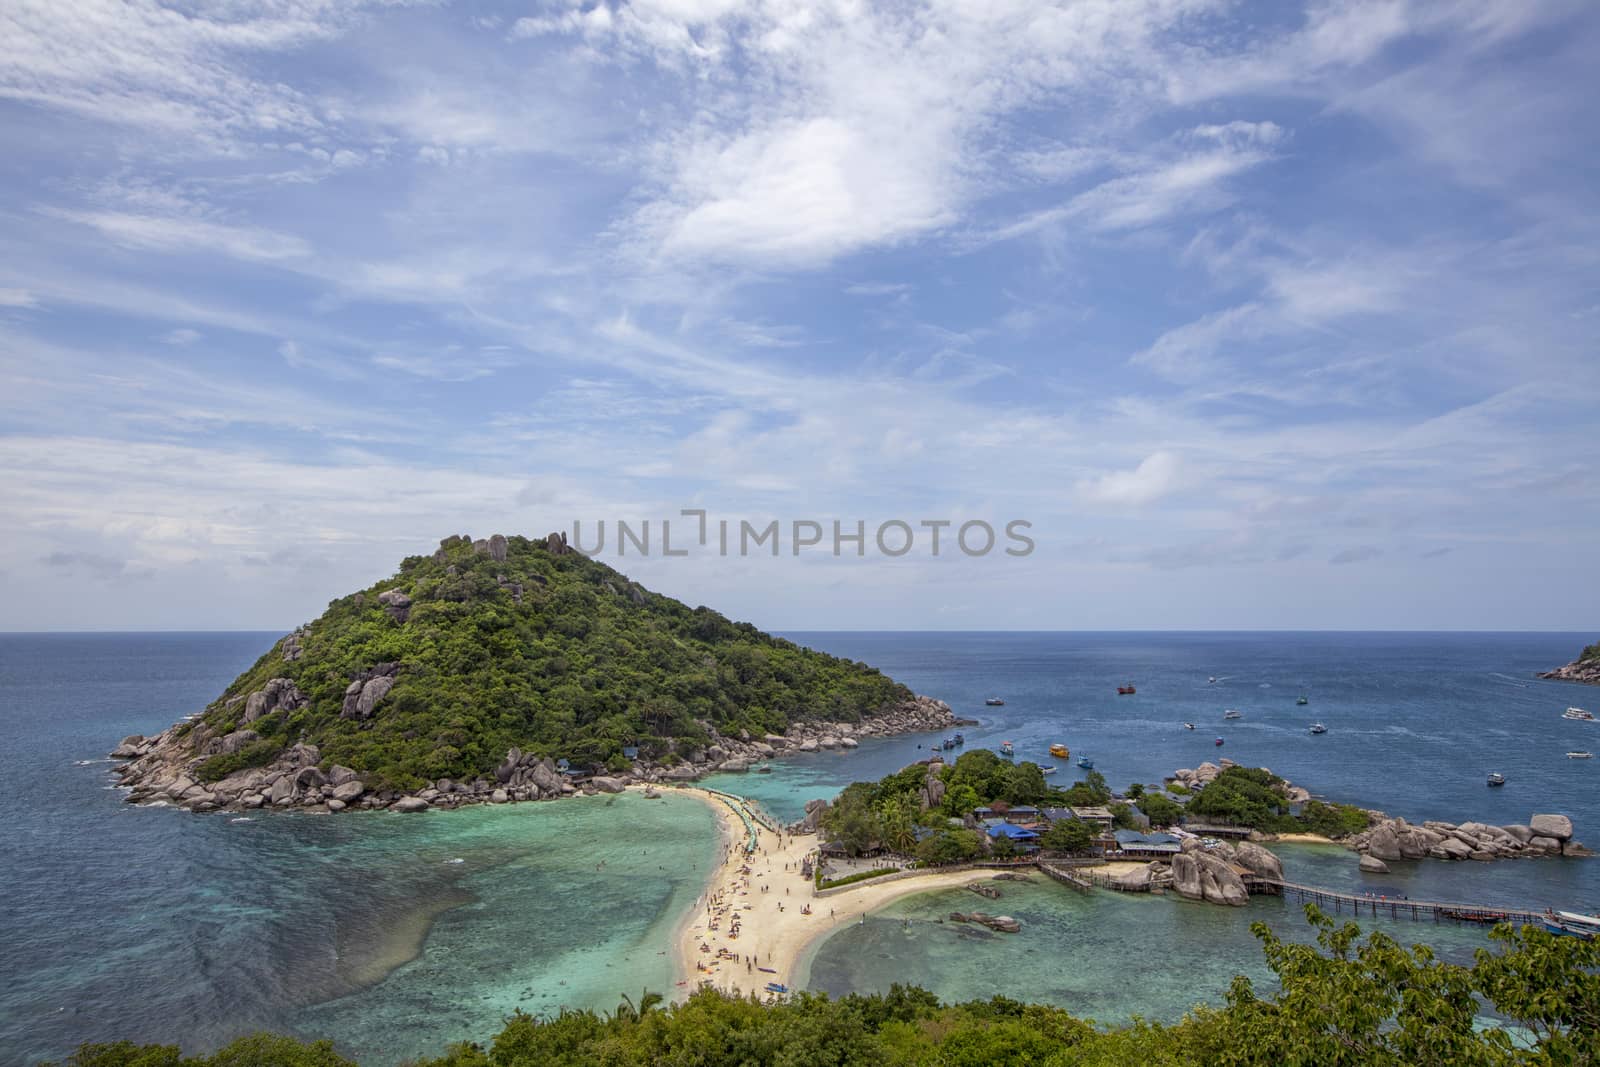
(482, 646)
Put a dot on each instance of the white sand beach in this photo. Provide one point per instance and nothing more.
(765, 898)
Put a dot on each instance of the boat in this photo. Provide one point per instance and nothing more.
(1126, 690)
(1572, 924)
(1048, 770)
(1577, 714)
(1007, 749)
(1060, 751)
(1318, 728)
(948, 743)
(1086, 763)
(1211, 680)
(777, 987)
(1231, 714)
(1188, 726)
(961, 739)
(995, 702)
(1580, 755)
(1497, 779)
(1303, 701)
(1219, 742)
(762, 768)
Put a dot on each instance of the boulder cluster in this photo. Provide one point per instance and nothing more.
(1213, 872)
(1579, 670)
(1396, 839)
(164, 768)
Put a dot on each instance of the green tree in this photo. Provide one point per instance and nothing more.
(1161, 810)
(1068, 835)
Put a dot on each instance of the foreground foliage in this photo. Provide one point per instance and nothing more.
(546, 650)
(1343, 1002)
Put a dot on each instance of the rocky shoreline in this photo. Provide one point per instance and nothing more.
(163, 769)
(1396, 839)
(1585, 671)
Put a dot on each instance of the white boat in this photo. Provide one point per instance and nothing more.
(1047, 770)
(1231, 714)
(1318, 728)
(1577, 714)
(1580, 755)
(1188, 726)
(1572, 924)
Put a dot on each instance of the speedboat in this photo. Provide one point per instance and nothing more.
(995, 702)
(1126, 690)
(1578, 714)
(1219, 742)
(1231, 714)
(1497, 779)
(1086, 763)
(1318, 728)
(1303, 701)
(1580, 755)
(1188, 726)
(1572, 924)
(1060, 751)
(1007, 749)
(1048, 770)
(1211, 680)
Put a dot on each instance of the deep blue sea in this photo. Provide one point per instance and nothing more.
(395, 935)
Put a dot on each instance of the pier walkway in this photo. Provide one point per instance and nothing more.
(1397, 907)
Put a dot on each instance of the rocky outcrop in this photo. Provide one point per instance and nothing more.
(1258, 861)
(366, 689)
(292, 647)
(1205, 874)
(1373, 865)
(932, 792)
(1391, 840)
(1585, 669)
(279, 694)
(396, 603)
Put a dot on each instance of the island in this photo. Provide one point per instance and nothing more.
(1585, 669)
(506, 669)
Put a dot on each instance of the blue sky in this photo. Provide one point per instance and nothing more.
(1263, 315)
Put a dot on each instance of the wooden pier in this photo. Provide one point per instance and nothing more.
(1066, 876)
(1397, 907)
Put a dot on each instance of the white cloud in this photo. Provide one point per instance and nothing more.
(175, 233)
(17, 298)
(1155, 477)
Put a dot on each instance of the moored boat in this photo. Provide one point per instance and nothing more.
(1007, 749)
(1318, 728)
(1126, 690)
(995, 702)
(1303, 701)
(1580, 755)
(1497, 779)
(1572, 924)
(1060, 751)
(1218, 742)
(1048, 770)
(1577, 714)
(1232, 714)
(1086, 763)
(960, 739)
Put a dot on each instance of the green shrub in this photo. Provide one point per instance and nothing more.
(851, 879)
(255, 754)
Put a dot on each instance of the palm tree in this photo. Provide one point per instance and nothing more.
(648, 1002)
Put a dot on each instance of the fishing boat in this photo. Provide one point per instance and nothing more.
(1580, 755)
(1188, 726)
(1218, 742)
(1060, 751)
(1086, 763)
(1007, 749)
(1303, 701)
(1318, 728)
(1126, 690)
(1577, 714)
(1572, 924)
(1497, 779)
(995, 702)
(1232, 714)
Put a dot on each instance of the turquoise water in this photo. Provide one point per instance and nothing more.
(159, 925)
